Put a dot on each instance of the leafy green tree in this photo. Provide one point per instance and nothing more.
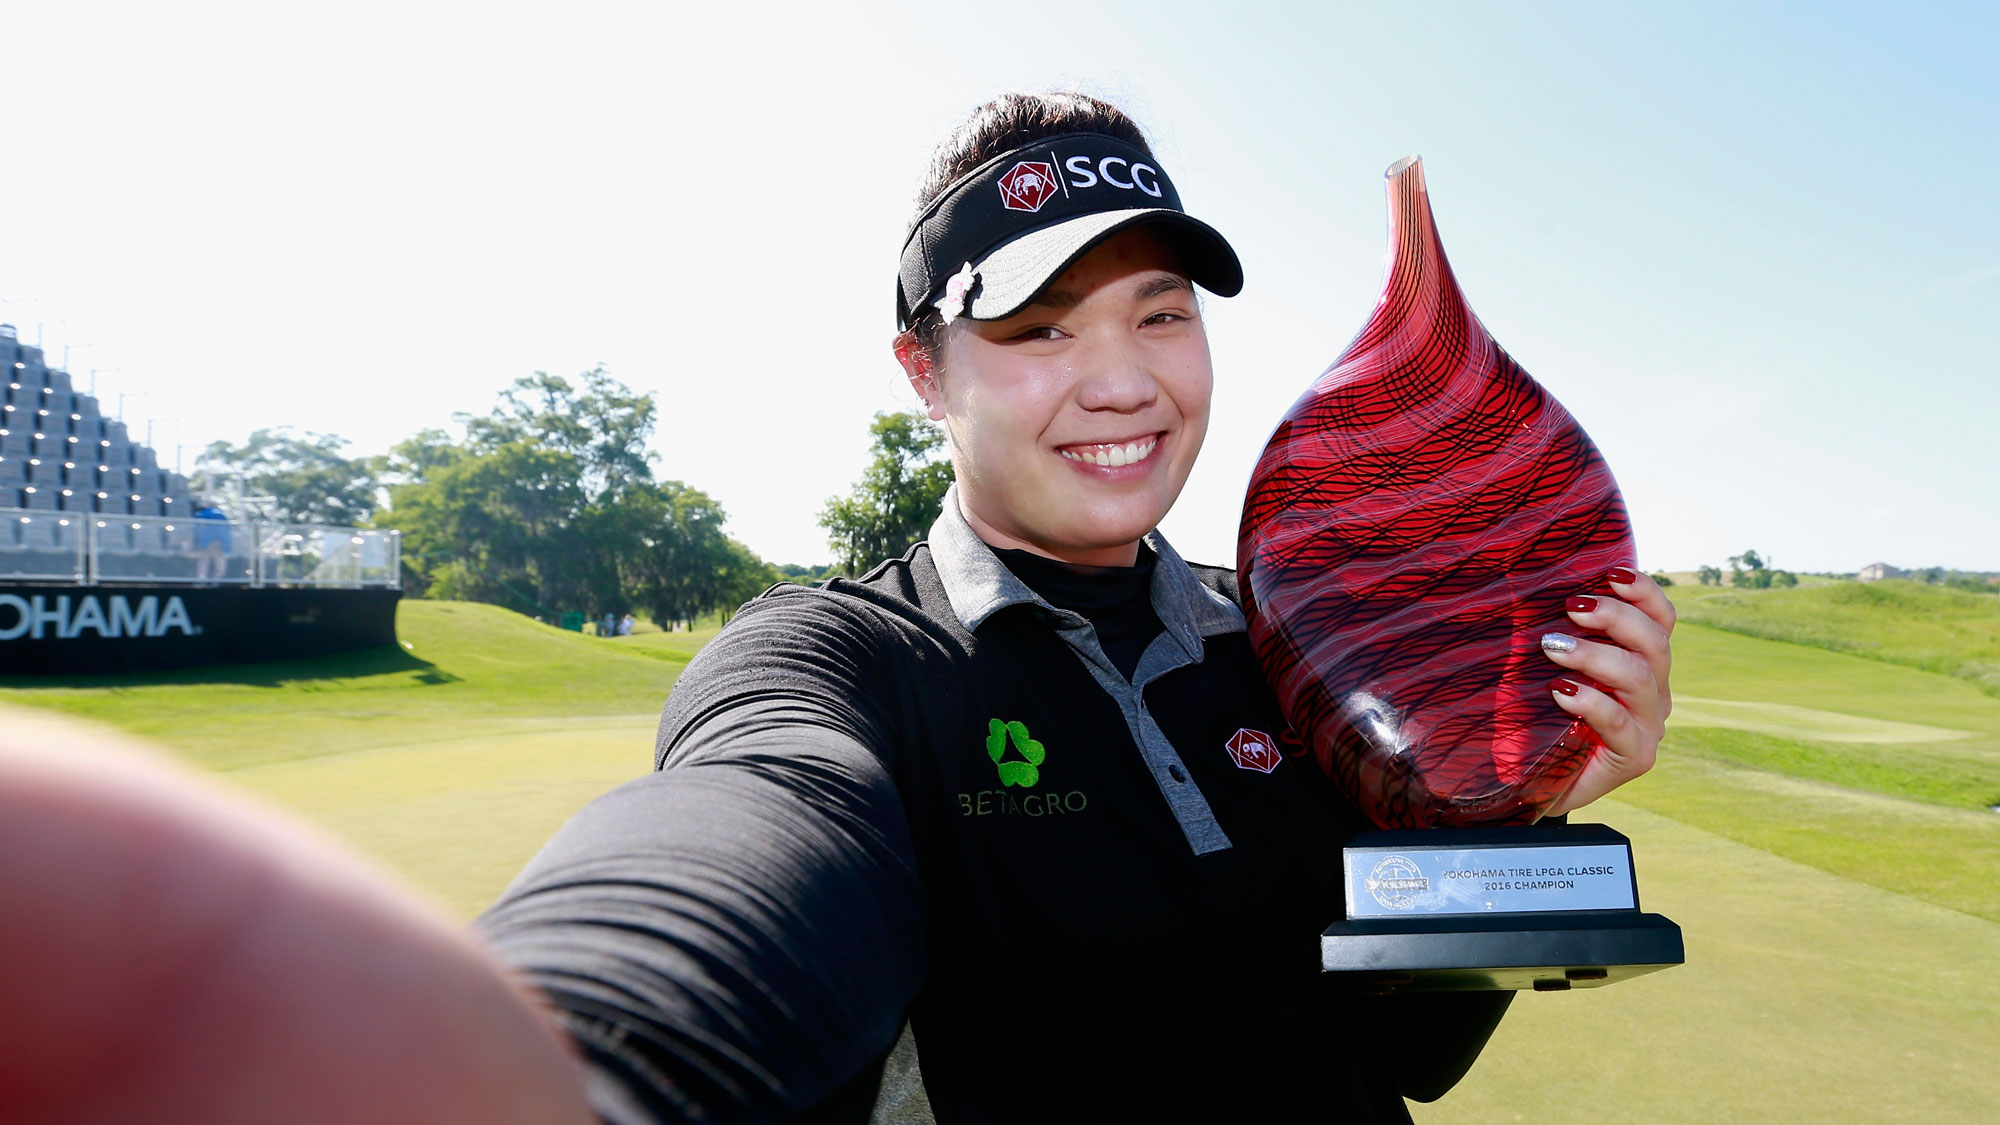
(1708, 575)
(304, 472)
(1784, 578)
(495, 527)
(898, 496)
(1749, 571)
(1661, 577)
(597, 420)
(681, 564)
(549, 505)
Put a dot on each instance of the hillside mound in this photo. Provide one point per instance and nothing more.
(1936, 628)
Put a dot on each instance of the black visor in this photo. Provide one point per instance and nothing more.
(995, 239)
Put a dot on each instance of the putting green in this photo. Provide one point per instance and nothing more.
(459, 818)
(1788, 721)
(1805, 997)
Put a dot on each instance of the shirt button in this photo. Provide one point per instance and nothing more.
(1177, 773)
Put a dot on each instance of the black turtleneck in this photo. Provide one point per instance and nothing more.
(1117, 600)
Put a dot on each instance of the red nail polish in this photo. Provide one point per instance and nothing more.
(1566, 685)
(1580, 604)
(1622, 575)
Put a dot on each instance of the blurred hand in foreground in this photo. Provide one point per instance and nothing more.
(173, 953)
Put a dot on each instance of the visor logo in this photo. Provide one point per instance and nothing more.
(1254, 750)
(1028, 185)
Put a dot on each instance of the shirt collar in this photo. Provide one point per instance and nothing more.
(980, 585)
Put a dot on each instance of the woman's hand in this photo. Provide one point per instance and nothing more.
(1632, 716)
(170, 952)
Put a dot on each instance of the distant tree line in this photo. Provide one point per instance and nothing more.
(546, 504)
(1748, 570)
(1977, 581)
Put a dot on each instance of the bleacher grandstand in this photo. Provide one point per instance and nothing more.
(59, 453)
(82, 502)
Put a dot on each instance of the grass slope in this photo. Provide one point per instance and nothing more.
(1938, 629)
(466, 669)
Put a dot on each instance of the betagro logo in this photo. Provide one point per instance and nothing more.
(1024, 772)
(1020, 772)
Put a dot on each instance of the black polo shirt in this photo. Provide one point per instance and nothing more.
(928, 793)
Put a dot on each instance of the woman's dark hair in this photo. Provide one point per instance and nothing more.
(1005, 123)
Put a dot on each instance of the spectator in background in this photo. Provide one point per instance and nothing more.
(608, 627)
(625, 625)
(211, 541)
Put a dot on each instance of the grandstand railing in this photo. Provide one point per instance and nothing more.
(88, 548)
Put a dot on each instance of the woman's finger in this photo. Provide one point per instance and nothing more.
(1641, 591)
(1629, 749)
(1629, 627)
(1628, 675)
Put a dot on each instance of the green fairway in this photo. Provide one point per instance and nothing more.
(1805, 997)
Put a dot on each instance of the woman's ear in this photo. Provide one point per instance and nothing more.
(917, 366)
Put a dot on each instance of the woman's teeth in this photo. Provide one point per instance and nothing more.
(1131, 453)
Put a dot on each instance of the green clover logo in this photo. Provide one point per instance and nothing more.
(1021, 773)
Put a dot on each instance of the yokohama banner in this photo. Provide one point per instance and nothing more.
(106, 630)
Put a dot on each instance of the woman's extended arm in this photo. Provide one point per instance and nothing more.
(742, 932)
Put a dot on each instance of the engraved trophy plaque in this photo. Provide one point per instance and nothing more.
(1412, 529)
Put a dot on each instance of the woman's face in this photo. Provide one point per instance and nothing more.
(1074, 423)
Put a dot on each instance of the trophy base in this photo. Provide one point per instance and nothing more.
(1543, 952)
(1546, 906)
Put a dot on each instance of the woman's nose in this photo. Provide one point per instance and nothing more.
(1116, 376)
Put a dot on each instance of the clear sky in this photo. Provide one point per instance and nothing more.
(1755, 248)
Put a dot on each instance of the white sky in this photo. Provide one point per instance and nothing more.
(1757, 255)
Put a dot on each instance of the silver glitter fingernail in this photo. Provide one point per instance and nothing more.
(1558, 642)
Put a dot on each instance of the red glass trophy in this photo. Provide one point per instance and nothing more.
(1412, 530)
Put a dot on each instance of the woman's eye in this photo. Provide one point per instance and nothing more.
(1039, 332)
(1163, 318)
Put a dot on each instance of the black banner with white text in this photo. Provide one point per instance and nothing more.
(106, 630)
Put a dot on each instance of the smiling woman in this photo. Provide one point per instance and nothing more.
(1021, 785)
(1019, 790)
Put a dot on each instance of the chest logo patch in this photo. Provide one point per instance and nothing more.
(1024, 768)
(1254, 750)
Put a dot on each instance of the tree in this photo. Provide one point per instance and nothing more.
(898, 496)
(494, 527)
(304, 473)
(1708, 576)
(1748, 571)
(549, 505)
(599, 421)
(684, 565)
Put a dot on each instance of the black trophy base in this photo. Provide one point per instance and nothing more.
(1544, 952)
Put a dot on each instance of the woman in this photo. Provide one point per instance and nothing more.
(975, 805)
(986, 786)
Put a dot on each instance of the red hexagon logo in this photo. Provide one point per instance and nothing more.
(1254, 750)
(1028, 185)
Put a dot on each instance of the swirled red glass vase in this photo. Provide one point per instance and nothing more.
(1412, 530)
